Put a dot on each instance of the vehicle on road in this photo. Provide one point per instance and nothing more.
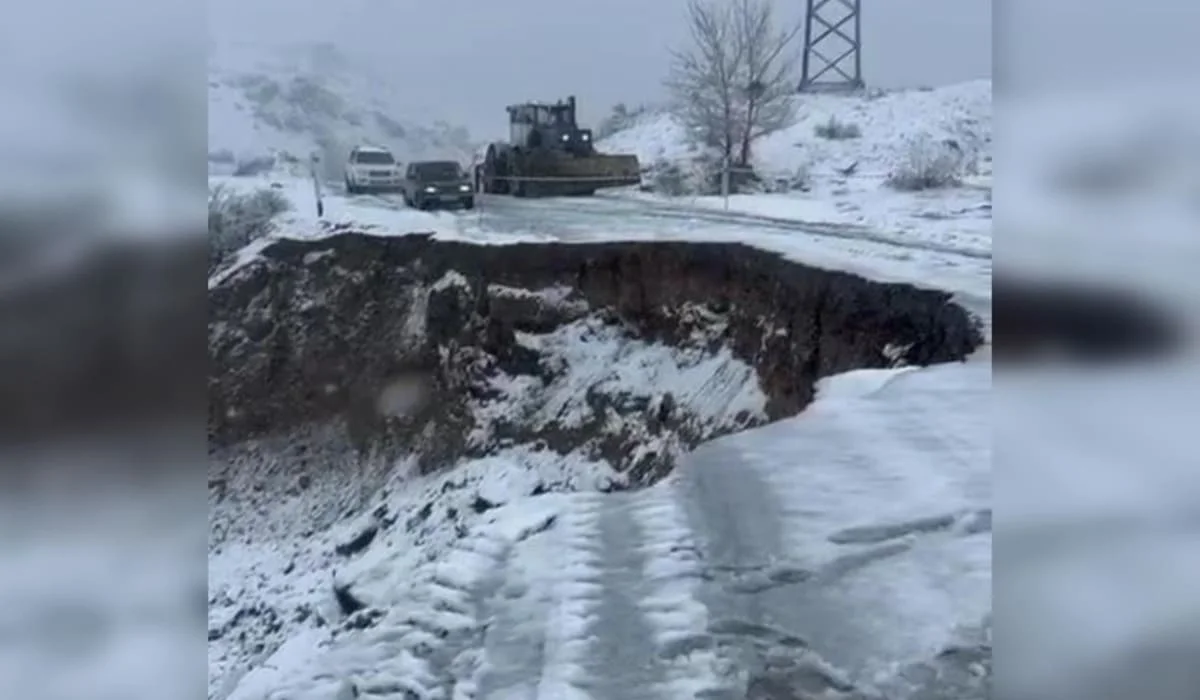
(372, 169)
(548, 154)
(432, 183)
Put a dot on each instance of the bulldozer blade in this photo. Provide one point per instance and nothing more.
(565, 176)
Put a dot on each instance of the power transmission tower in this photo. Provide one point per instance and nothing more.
(832, 58)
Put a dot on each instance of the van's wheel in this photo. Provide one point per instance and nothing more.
(350, 188)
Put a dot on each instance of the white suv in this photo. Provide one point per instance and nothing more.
(372, 169)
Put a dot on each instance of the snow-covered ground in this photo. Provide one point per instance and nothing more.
(861, 525)
(889, 124)
(644, 595)
(271, 564)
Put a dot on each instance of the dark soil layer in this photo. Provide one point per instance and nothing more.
(311, 332)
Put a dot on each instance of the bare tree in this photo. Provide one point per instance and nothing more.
(703, 77)
(768, 77)
(734, 82)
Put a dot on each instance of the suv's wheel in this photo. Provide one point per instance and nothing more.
(350, 188)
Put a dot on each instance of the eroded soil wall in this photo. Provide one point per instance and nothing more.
(313, 329)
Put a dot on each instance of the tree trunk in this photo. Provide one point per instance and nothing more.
(744, 153)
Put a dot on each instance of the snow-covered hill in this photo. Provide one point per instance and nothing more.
(887, 122)
(814, 176)
(290, 102)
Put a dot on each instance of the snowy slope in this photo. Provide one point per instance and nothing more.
(307, 98)
(844, 180)
(887, 121)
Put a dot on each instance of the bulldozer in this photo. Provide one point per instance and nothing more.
(548, 155)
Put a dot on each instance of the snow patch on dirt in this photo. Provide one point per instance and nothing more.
(274, 562)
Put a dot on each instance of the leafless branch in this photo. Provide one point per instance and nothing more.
(734, 81)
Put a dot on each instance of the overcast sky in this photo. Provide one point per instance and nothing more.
(472, 57)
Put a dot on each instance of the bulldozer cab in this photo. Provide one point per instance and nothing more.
(541, 125)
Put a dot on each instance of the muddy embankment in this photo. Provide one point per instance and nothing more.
(393, 344)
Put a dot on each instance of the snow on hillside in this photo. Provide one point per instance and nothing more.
(844, 180)
(654, 136)
(292, 102)
(887, 121)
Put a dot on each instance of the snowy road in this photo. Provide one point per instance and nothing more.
(962, 265)
(834, 551)
(560, 218)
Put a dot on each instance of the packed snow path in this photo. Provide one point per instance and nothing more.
(860, 528)
(844, 553)
(851, 542)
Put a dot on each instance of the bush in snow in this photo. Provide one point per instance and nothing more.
(621, 118)
(697, 176)
(665, 177)
(927, 164)
(837, 130)
(237, 218)
(679, 178)
(799, 180)
(254, 166)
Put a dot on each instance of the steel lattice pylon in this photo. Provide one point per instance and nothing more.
(832, 46)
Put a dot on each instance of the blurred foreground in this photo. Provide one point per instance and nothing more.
(102, 360)
(1097, 538)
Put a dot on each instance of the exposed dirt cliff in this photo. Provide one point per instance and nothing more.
(452, 349)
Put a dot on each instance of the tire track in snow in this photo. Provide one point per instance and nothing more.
(514, 641)
(422, 649)
(673, 576)
(736, 518)
(576, 587)
(801, 514)
(621, 662)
